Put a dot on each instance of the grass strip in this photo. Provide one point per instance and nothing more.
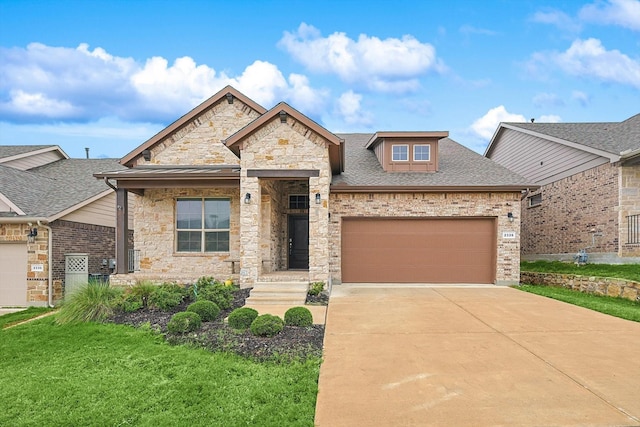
(104, 374)
(620, 271)
(614, 306)
(11, 319)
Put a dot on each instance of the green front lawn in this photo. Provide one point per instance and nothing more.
(619, 307)
(23, 315)
(620, 271)
(104, 374)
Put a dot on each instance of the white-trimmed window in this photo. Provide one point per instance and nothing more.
(535, 200)
(421, 153)
(202, 224)
(400, 153)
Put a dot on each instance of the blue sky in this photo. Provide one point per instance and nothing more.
(108, 75)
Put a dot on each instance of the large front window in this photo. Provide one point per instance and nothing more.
(202, 225)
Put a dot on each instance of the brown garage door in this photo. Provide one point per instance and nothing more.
(404, 250)
(13, 274)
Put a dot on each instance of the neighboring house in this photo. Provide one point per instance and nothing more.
(50, 205)
(589, 195)
(231, 185)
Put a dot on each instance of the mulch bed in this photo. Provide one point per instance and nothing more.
(291, 344)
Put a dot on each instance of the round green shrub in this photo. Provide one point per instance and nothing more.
(241, 318)
(207, 310)
(167, 296)
(185, 321)
(267, 325)
(298, 316)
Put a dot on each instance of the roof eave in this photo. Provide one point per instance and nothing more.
(432, 189)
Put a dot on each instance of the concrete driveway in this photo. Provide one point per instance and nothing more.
(474, 356)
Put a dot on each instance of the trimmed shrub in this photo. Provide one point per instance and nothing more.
(167, 296)
(241, 318)
(316, 288)
(212, 290)
(185, 321)
(207, 310)
(298, 316)
(93, 302)
(267, 325)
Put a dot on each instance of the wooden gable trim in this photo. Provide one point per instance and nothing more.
(220, 96)
(284, 111)
(11, 205)
(496, 138)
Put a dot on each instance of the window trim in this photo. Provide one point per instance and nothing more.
(203, 231)
(301, 195)
(534, 198)
(414, 153)
(393, 159)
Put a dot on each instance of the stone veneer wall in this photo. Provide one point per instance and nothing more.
(597, 285)
(629, 205)
(563, 224)
(37, 253)
(154, 218)
(289, 145)
(432, 205)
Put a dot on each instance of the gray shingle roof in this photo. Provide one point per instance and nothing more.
(612, 137)
(14, 150)
(458, 166)
(50, 189)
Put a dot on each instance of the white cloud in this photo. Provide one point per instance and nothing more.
(547, 99)
(41, 82)
(486, 125)
(589, 58)
(558, 19)
(625, 13)
(582, 98)
(349, 109)
(382, 65)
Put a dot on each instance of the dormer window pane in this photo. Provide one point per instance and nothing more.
(422, 153)
(400, 153)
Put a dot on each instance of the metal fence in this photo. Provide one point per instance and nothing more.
(633, 229)
(134, 260)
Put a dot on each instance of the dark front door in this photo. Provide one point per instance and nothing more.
(298, 242)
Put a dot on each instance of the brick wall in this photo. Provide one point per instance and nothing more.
(571, 210)
(436, 205)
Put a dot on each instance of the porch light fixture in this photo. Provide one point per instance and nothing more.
(31, 237)
(510, 216)
(283, 116)
(146, 154)
(247, 198)
(317, 198)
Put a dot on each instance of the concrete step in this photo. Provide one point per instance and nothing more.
(285, 277)
(283, 293)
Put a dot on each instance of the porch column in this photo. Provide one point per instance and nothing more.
(250, 255)
(122, 231)
(319, 229)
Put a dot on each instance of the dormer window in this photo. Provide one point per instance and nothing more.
(421, 153)
(400, 153)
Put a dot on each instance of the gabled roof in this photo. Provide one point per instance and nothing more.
(226, 94)
(13, 152)
(460, 170)
(336, 153)
(607, 139)
(50, 191)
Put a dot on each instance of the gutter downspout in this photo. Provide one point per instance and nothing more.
(49, 257)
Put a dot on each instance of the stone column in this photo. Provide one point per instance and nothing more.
(319, 230)
(250, 257)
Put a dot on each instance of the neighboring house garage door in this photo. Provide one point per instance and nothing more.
(13, 274)
(407, 250)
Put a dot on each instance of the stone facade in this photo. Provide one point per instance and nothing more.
(597, 285)
(629, 205)
(496, 205)
(286, 146)
(564, 224)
